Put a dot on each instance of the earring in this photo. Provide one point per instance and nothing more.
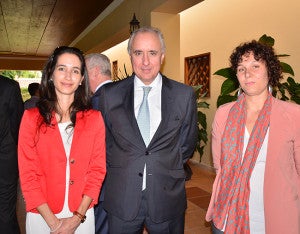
(270, 89)
(240, 91)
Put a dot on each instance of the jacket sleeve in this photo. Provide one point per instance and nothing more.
(297, 140)
(218, 127)
(15, 110)
(189, 129)
(29, 165)
(97, 166)
(216, 141)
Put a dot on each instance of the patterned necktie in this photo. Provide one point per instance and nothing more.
(143, 118)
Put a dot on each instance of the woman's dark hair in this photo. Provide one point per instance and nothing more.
(48, 99)
(261, 52)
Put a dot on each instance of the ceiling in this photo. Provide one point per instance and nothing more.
(31, 29)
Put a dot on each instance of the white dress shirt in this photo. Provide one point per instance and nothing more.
(154, 103)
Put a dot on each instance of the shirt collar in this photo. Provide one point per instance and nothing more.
(156, 82)
(103, 83)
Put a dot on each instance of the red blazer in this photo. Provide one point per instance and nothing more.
(42, 161)
(282, 172)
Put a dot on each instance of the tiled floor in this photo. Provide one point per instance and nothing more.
(198, 194)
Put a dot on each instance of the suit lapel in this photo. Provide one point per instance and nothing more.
(129, 107)
(166, 109)
(136, 136)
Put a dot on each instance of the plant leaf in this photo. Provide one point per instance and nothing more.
(125, 70)
(286, 68)
(202, 105)
(267, 40)
(282, 55)
(202, 119)
(203, 135)
(227, 73)
(200, 150)
(296, 99)
(197, 89)
(229, 86)
(222, 99)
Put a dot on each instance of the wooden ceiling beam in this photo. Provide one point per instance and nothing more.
(22, 62)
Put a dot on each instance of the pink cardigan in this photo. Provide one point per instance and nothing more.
(42, 161)
(282, 172)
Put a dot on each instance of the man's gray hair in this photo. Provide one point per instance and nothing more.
(147, 29)
(99, 60)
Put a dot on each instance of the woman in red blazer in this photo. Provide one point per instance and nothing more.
(256, 152)
(62, 150)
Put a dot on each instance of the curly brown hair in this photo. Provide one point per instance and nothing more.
(261, 52)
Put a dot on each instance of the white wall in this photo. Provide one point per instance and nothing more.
(119, 53)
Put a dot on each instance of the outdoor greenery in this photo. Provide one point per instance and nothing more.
(25, 94)
(12, 74)
(288, 90)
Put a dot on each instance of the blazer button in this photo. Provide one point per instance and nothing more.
(141, 174)
(71, 182)
(72, 161)
(147, 153)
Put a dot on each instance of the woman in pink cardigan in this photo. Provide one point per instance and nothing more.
(62, 150)
(256, 152)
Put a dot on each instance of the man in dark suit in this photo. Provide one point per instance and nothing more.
(145, 184)
(11, 111)
(99, 71)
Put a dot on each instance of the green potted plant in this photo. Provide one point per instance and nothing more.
(202, 124)
(230, 86)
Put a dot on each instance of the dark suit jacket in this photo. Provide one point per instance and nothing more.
(11, 105)
(95, 102)
(101, 219)
(171, 146)
(11, 110)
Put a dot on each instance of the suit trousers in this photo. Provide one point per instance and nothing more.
(143, 220)
(101, 220)
(8, 187)
(8, 216)
(215, 230)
